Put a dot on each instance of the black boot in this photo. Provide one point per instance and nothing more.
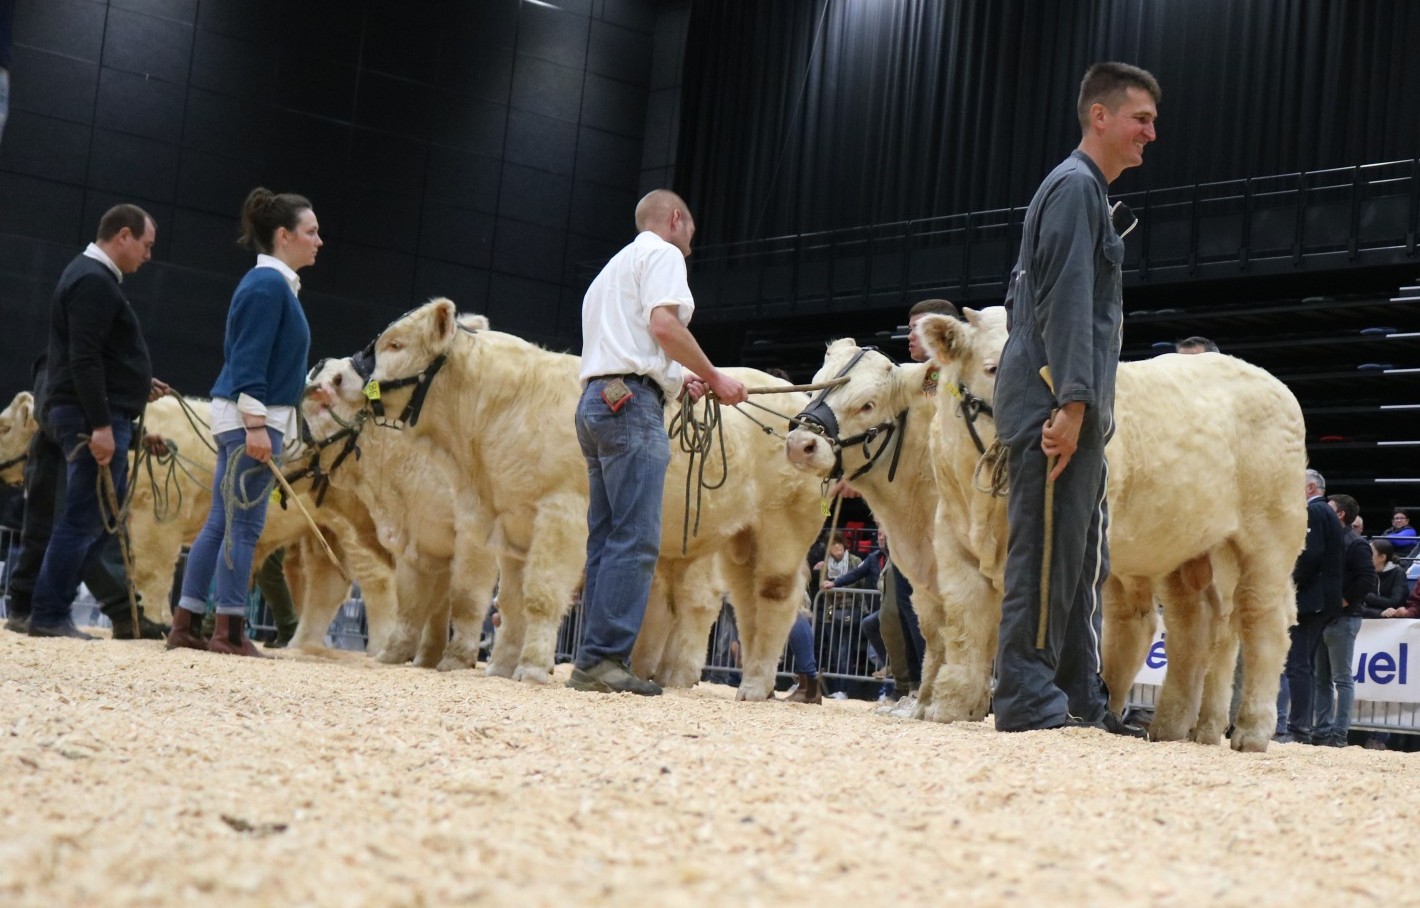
(122, 620)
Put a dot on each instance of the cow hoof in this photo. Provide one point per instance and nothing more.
(391, 656)
(498, 670)
(530, 674)
(938, 711)
(452, 664)
(750, 692)
(1250, 742)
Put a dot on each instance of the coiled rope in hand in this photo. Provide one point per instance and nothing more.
(697, 437)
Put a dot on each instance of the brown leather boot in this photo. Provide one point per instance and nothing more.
(807, 692)
(187, 631)
(231, 638)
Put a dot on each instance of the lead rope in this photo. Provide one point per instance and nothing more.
(114, 515)
(698, 437)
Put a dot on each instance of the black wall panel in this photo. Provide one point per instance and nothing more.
(438, 141)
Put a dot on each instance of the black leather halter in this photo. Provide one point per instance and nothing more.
(364, 364)
(818, 417)
(970, 408)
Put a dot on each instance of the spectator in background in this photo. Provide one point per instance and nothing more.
(1411, 608)
(1332, 719)
(1391, 588)
(920, 310)
(7, 44)
(1401, 534)
(1196, 344)
(838, 614)
(1318, 576)
(1358, 526)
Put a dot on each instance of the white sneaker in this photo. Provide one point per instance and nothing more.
(838, 695)
(904, 707)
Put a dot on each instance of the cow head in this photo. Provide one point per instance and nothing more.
(870, 395)
(414, 340)
(334, 397)
(17, 427)
(966, 352)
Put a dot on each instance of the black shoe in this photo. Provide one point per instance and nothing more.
(147, 630)
(1108, 722)
(66, 629)
(20, 624)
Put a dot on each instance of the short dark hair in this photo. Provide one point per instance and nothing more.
(121, 216)
(1105, 83)
(1197, 341)
(1384, 549)
(1347, 506)
(264, 212)
(838, 538)
(934, 307)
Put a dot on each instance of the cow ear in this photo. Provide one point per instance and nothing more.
(443, 321)
(470, 321)
(973, 318)
(842, 343)
(25, 408)
(943, 337)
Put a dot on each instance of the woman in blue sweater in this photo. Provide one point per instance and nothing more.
(253, 410)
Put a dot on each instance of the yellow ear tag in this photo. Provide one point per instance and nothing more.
(823, 506)
(276, 496)
(372, 389)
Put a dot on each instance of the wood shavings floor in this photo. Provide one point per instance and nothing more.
(136, 776)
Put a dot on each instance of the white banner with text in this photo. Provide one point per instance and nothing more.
(1380, 663)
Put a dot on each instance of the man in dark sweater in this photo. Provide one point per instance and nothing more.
(100, 378)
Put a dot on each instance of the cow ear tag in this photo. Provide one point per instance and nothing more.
(372, 389)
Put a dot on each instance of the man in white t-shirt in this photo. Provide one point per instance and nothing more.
(637, 353)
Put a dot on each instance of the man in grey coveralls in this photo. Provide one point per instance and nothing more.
(1055, 411)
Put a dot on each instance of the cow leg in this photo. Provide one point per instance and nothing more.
(766, 599)
(554, 567)
(508, 642)
(1266, 605)
(1130, 620)
(959, 627)
(434, 628)
(470, 588)
(696, 605)
(1186, 619)
(374, 571)
(154, 548)
(1213, 713)
(319, 589)
(648, 655)
(412, 610)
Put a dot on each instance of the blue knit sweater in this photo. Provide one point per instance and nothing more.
(267, 342)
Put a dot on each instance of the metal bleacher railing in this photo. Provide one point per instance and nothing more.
(1361, 215)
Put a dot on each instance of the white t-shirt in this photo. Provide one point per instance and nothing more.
(616, 313)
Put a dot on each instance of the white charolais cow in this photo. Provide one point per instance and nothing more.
(17, 427)
(444, 568)
(1193, 432)
(169, 508)
(503, 411)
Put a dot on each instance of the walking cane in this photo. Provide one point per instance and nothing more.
(1048, 547)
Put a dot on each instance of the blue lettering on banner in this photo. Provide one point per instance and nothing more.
(1382, 668)
(1157, 658)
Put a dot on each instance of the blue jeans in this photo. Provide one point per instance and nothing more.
(801, 647)
(79, 527)
(627, 453)
(1333, 667)
(216, 554)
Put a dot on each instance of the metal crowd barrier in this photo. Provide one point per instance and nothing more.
(843, 653)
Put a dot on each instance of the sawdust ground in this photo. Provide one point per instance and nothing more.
(136, 776)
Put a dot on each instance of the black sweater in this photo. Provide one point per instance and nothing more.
(97, 356)
(1390, 594)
